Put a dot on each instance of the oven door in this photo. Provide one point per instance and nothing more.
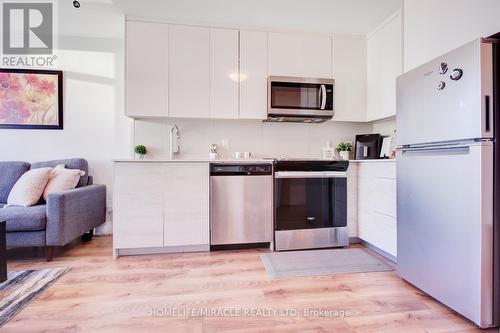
(296, 96)
(308, 203)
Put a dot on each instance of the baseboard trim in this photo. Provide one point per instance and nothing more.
(379, 251)
(161, 250)
(354, 240)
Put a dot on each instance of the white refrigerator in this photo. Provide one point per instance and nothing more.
(447, 182)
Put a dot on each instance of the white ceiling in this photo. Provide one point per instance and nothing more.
(340, 16)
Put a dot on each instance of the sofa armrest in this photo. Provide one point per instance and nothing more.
(72, 213)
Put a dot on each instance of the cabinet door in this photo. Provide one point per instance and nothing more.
(253, 71)
(300, 55)
(189, 65)
(186, 204)
(352, 199)
(138, 205)
(379, 230)
(384, 64)
(146, 69)
(349, 72)
(224, 74)
(377, 205)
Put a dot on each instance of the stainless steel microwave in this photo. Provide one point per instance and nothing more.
(297, 99)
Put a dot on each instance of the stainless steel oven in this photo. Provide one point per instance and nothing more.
(300, 99)
(310, 204)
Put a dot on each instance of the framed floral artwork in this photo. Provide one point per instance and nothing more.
(31, 99)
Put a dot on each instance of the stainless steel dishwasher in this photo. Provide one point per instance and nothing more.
(241, 205)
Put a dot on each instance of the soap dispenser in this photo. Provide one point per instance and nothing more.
(328, 152)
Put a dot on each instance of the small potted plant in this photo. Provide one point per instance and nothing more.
(344, 148)
(140, 151)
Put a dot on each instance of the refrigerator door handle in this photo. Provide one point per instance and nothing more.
(433, 151)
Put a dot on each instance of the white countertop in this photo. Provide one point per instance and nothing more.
(228, 161)
(374, 161)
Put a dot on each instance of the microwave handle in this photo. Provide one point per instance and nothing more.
(323, 96)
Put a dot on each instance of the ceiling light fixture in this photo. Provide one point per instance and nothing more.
(76, 4)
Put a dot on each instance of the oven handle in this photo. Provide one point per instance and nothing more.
(310, 174)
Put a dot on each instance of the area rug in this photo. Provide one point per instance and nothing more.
(21, 288)
(322, 262)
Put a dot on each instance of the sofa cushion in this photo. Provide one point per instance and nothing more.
(29, 188)
(10, 172)
(62, 179)
(71, 163)
(24, 218)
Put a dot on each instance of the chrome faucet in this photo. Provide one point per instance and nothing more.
(174, 149)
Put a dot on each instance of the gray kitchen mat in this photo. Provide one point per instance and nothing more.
(322, 262)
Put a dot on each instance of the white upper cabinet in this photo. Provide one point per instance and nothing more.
(224, 73)
(146, 69)
(184, 71)
(349, 72)
(384, 64)
(189, 66)
(300, 55)
(253, 75)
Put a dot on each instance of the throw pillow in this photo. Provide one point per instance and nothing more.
(29, 188)
(62, 179)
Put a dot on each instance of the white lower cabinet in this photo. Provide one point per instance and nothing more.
(352, 199)
(138, 205)
(377, 205)
(160, 207)
(186, 204)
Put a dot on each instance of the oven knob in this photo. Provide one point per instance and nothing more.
(456, 74)
(440, 85)
(443, 68)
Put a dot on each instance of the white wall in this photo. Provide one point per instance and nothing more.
(432, 27)
(262, 139)
(385, 127)
(90, 53)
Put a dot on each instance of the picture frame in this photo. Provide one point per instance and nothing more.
(31, 99)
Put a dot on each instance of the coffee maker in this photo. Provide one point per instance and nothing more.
(367, 146)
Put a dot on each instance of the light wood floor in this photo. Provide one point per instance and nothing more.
(102, 295)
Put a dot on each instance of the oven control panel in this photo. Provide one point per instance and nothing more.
(311, 165)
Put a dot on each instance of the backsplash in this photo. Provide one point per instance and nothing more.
(385, 127)
(261, 138)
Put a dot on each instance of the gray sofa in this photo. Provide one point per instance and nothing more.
(65, 216)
